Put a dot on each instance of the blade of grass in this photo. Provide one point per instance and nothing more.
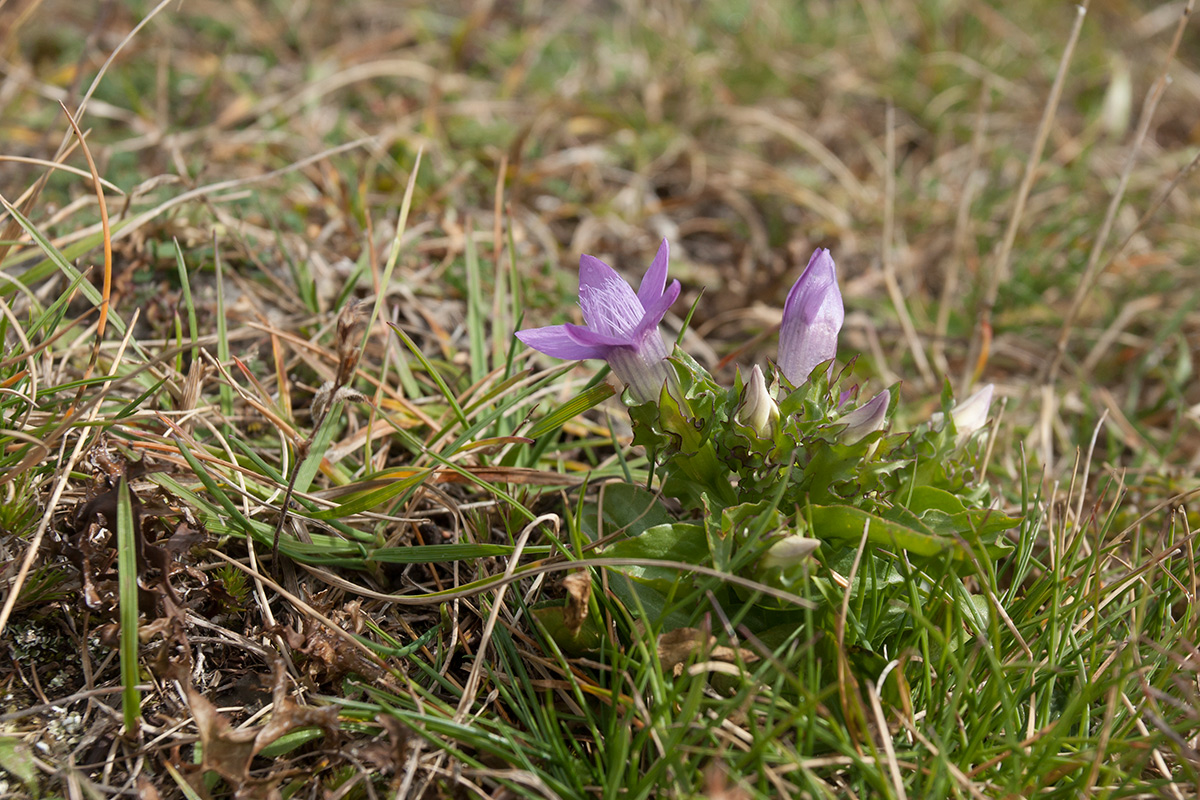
(571, 409)
(59, 260)
(411, 387)
(433, 372)
(186, 287)
(127, 594)
(476, 311)
(226, 391)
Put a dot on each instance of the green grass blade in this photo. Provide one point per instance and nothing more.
(65, 266)
(127, 591)
(571, 409)
(186, 288)
(226, 391)
(433, 374)
(476, 313)
(373, 499)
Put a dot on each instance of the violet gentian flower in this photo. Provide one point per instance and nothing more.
(812, 316)
(622, 327)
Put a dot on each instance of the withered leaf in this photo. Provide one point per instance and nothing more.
(229, 751)
(579, 591)
(677, 647)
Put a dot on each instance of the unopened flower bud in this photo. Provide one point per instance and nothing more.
(812, 316)
(789, 551)
(758, 410)
(866, 419)
(970, 415)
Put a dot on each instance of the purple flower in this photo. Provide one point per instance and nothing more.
(812, 316)
(622, 327)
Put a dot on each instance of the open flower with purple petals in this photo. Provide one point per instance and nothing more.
(622, 327)
(812, 317)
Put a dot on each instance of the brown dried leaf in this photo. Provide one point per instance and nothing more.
(330, 657)
(146, 790)
(349, 336)
(229, 751)
(579, 591)
(288, 714)
(677, 647)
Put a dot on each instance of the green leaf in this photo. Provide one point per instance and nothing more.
(625, 508)
(946, 515)
(847, 522)
(585, 640)
(571, 409)
(17, 759)
(677, 541)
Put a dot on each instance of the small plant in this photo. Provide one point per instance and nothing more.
(784, 463)
(236, 586)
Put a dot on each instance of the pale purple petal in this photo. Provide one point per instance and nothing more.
(651, 289)
(591, 338)
(554, 341)
(649, 345)
(812, 317)
(608, 302)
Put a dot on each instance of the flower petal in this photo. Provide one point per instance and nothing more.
(608, 302)
(651, 288)
(590, 338)
(554, 340)
(757, 409)
(971, 414)
(658, 309)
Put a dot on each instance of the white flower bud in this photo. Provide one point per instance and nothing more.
(789, 551)
(970, 415)
(867, 418)
(758, 410)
